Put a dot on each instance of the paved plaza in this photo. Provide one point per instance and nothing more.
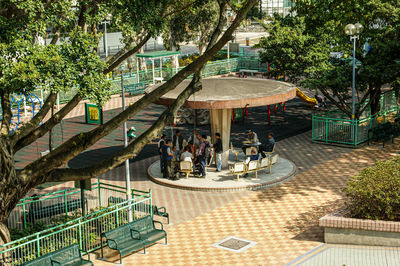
(282, 220)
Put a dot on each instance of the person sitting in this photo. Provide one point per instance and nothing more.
(186, 155)
(252, 157)
(252, 136)
(269, 146)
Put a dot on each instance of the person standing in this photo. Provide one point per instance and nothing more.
(167, 158)
(218, 151)
(177, 144)
(202, 155)
(160, 144)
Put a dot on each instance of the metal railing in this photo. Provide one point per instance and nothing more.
(86, 231)
(47, 208)
(334, 127)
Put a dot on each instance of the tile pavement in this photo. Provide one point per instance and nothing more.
(283, 219)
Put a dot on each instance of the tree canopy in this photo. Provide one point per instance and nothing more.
(301, 47)
(71, 60)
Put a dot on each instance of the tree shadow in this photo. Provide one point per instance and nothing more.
(306, 225)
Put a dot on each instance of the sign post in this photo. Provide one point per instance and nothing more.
(93, 114)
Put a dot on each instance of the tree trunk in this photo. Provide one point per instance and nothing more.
(11, 189)
(375, 101)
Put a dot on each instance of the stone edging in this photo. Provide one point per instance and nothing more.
(337, 219)
(225, 189)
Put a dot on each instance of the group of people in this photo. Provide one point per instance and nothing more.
(195, 149)
(198, 150)
(253, 141)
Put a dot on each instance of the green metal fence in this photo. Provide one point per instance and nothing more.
(86, 231)
(335, 127)
(48, 208)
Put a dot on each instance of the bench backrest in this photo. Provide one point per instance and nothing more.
(41, 261)
(186, 165)
(264, 162)
(67, 254)
(248, 151)
(115, 200)
(144, 224)
(274, 159)
(119, 234)
(239, 167)
(252, 165)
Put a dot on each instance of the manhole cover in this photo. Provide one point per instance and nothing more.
(234, 244)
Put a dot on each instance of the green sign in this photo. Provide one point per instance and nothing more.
(94, 114)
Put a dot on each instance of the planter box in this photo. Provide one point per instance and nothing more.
(338, 229)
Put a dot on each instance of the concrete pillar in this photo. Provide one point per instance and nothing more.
(220, 120)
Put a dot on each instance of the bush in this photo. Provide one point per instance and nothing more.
(374, 193)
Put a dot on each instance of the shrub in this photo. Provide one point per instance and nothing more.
(374, 193)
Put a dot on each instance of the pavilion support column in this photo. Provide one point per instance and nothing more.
(152, 63)
(220, 120)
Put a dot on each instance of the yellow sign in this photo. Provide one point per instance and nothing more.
(94, 114)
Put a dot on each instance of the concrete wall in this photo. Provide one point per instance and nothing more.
(361, 237)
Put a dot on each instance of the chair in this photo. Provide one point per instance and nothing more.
(268, 153)
(265, 163)
(186, 167)
(238, 169)
(274, 160)
(236, 152)
(252, 166)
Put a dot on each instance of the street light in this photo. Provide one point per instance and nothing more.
(127, 172)
(107, 20)
(353, 31)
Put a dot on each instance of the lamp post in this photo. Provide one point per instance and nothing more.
(127, 172)
(353, 31)
(107, 20)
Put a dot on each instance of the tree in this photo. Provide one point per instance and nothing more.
(25, 65)
(301, 46)
(195, 25)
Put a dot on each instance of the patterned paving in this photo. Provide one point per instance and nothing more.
(282, 220)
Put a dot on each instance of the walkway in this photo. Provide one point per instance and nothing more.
(282, 220)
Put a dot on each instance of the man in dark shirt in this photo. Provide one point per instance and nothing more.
(167, 157)
(177, 144)
(218, 151)
(160, 144)
(202, 155)
(270, 143)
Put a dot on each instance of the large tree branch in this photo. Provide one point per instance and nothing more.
(34, 122)
(339, 104)
(7, 114)
(126, 55)
(81, 142)
(68, 174)
(49, 124)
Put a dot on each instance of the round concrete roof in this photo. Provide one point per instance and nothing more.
(228, 92)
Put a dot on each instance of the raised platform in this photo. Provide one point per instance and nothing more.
(224, 181)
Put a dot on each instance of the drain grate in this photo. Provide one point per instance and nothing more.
(234, 244)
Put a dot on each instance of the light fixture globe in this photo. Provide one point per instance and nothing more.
(350, 29)
(359, 27)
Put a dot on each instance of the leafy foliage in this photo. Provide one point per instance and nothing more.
(374, 193)
(301, 46)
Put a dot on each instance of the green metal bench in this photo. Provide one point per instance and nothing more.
(159, 211)
(70, 255)
(383, 132)
(52, 210)
(134, 236)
